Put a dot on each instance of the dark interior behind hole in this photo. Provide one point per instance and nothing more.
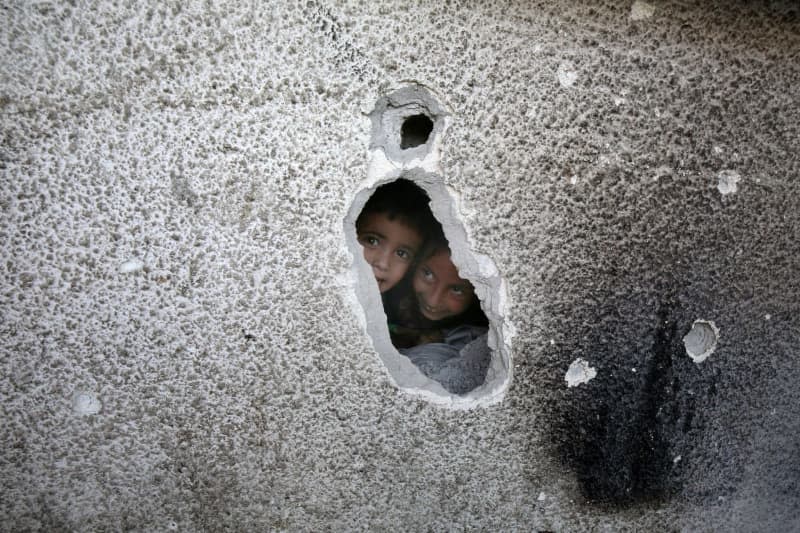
(415, 131)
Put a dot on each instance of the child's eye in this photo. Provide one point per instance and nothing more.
(404, 254)
(426, 273)
(458, 290)
(369, 240)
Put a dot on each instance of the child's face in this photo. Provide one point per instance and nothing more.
(389, 248)
(441, 292)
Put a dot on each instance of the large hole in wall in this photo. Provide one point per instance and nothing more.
(432, 306)
(433, 315)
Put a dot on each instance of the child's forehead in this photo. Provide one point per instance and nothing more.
(391, 220)
(386, 224)
(444, 267)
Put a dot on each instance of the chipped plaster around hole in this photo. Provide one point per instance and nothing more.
(701, 341)
(388, 162)
(728, 181)
(642, 10)
(392, 111)
(579, 372)
(131, 266)
(86, 403)
(567, 74)
(480, 270)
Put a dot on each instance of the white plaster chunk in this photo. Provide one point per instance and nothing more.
(86, 403)
(542, 497)
(728, 181)
(567, 74)
(642, 10)
(701, 341)
(131, 266)
(579, 372)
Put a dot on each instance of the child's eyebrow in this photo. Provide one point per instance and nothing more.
(375, 233)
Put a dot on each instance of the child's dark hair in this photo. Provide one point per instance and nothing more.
(404, 201)
(435, 242)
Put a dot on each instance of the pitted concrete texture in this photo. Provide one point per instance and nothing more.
(181, 345)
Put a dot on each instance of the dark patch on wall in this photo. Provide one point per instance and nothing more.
(624, 433)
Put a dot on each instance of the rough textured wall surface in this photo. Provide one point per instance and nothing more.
(180, 349)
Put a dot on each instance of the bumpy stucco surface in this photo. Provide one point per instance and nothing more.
(174, 180)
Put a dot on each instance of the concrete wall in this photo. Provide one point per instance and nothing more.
(182, 348)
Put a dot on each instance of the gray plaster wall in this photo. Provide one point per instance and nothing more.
(181, 346)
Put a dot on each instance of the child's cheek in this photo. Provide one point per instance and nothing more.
(402, 271)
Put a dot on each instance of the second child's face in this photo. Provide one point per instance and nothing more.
(441, 292)
(389, 248)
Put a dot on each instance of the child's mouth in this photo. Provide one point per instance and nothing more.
(430, 313)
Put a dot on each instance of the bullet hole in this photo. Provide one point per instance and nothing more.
(701, 341)
(641, 10)
(579, 372)
(85, 403)
(415, 131)
(131, 266)
(728, 182)
(405, 124)
(567, 74)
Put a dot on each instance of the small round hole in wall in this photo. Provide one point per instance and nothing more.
(407, 123)
(415, 131)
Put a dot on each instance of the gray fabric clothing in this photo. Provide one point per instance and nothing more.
(459, 363)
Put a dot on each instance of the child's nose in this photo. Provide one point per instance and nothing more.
(436, 297)
(381, 259)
